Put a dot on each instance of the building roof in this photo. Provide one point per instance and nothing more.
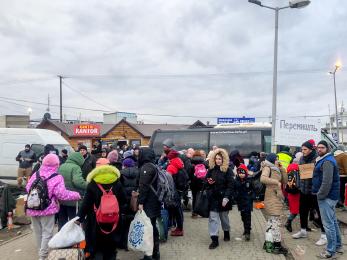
(146, 130)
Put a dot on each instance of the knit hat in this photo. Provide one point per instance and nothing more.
(127, 154)
(113, 156)
(128, 163)
(64, 151)
(82, 147)
(102, 161)
(325, 143)
(27, 146)
(310, 144)
(172, 154)
(293, 167)
(51, 160)
(169, 143)
(242, 169)
(271, 157)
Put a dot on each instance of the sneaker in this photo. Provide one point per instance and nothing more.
(340, 250)
(177, 232)
(326, 255)
(300, 234)
(322, 241)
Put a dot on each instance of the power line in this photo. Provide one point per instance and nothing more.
(84, 95)
(159, 115)
(22, 81)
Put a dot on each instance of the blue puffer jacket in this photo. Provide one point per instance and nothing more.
(333, 192)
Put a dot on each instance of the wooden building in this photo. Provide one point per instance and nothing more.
(120, 134)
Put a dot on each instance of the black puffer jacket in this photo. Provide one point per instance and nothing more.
(195, 183)
(148, 172)
(306, 185)
(130, 181)
(222, 188)
(88, 165)
(244, 194)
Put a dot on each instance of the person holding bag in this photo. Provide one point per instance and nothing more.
(220, 187)
(148, 200)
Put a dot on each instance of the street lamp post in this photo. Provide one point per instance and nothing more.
(337, 66)
(292, 4)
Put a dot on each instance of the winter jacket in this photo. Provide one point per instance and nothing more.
(271, 176)
(341, 159)
(28, 159)
(186, 162)
(88, 165)
(306, 184)
(148, 173)
(129, 178)
(195, 183)
(223, 187)
(326, 178)
(108, 176)
(56, 189)
(244, 194)
(72, 173)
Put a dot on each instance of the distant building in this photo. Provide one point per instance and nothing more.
(14, 121)
(331, 126)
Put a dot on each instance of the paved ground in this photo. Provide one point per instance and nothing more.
(193, 246)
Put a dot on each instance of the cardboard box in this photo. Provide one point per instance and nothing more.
(306, 171)
(20, 204)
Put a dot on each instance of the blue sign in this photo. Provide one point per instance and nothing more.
(235, 120)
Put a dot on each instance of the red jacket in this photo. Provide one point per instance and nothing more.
(175, 165)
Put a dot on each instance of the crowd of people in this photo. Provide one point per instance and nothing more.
(77, 181)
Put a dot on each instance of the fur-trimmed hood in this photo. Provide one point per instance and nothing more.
(105, 174)
(225, 156)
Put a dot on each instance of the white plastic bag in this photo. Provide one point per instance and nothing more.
(140, 237)
(69, 235)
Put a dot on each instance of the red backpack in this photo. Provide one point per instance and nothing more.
(108, 211)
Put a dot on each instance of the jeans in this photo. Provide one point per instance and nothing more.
(331, 226)
(65, 214)
(214, 221)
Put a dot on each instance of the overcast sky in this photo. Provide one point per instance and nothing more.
(180, 57)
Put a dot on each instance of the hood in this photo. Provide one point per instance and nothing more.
(225, 157)
(105, 174)
(76, 158)
(338, 152)
(50, 165)
(266, 163)
(146, 155)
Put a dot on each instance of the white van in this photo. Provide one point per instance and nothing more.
(13, 140)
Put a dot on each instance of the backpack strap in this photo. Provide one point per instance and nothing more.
(52, 176)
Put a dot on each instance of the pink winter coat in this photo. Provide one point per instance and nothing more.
(56, 187)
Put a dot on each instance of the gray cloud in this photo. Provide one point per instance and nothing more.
(218, 45)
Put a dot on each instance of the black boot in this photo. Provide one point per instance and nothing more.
(279, 249)
(146, 257)
(214, 243)
(226, 236)
(156, 256)
(288, 226)
(247, 235)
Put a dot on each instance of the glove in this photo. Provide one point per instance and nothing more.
(225, 202)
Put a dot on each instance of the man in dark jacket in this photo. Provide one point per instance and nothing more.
(89, 161)
(26, 158)
(148, 201)
(308, 201)
(326, 185)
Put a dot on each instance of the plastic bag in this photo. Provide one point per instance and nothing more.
(140, 237)
(268, 245)
(69, 235)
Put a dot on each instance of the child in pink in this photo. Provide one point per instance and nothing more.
(43, 220)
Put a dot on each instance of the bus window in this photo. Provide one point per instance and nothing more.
(242, 140)
(267, 144)
(182, 140)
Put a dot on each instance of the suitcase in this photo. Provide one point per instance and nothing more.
(66, 254)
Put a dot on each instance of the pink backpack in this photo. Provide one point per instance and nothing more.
(200, 171)
(108, 211)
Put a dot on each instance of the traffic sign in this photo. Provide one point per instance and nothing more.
(235, 120)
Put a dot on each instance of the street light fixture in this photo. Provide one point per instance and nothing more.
(292, 4)
(337, 67)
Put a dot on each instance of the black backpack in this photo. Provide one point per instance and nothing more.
(258, 187)
(181, 180)
(38, 198)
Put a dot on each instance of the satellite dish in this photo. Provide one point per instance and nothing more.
(47, 116)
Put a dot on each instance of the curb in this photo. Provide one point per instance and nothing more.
(17, 237)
